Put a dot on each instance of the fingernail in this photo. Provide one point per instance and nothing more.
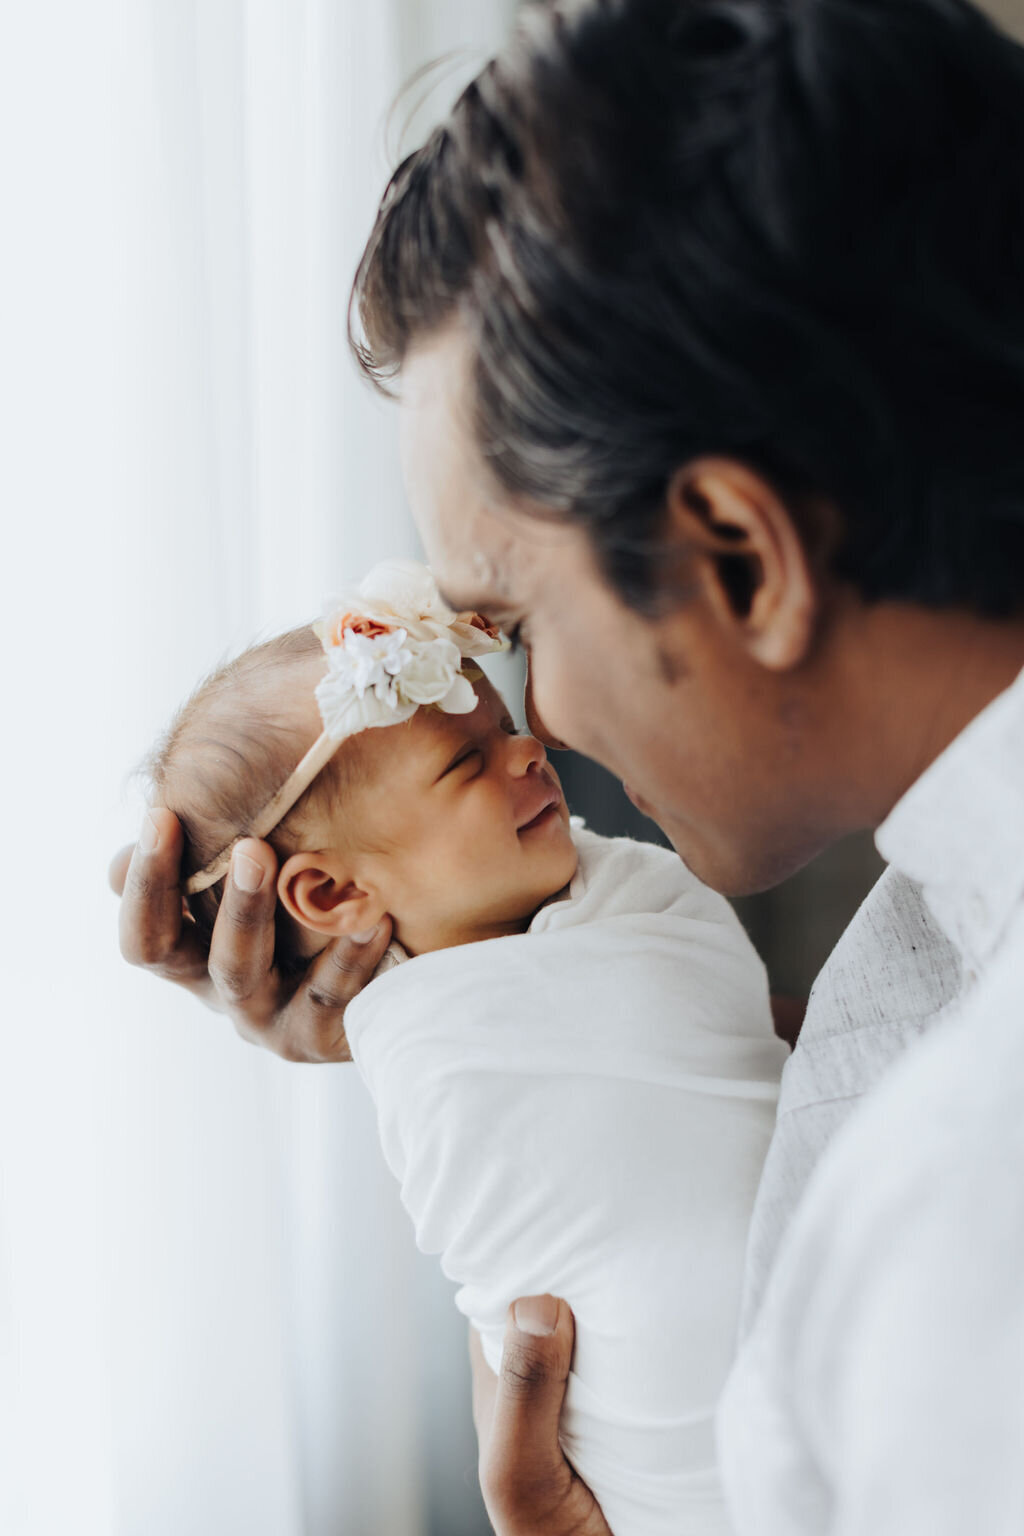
(364, 938)
(246, 873)
(537, 1315)
(148, 834)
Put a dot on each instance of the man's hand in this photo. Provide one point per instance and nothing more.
(302, 1020)
(528, 1486)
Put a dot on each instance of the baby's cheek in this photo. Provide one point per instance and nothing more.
(572, 858)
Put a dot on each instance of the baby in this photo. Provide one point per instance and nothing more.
(569, 1041)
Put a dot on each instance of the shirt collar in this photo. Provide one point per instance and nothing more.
(959, 830)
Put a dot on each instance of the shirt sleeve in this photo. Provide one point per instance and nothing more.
(910, 1371)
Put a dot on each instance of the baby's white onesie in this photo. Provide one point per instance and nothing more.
(584, 1109)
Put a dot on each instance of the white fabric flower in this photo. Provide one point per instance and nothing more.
(407, 592)
(460, 698)
(394, 645)
(431, 671)
(345, 712)
(475, 640)
(370, 661)
(399, 592)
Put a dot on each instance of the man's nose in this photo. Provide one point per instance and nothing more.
(533, 720)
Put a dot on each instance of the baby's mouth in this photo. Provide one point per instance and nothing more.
(549, 806)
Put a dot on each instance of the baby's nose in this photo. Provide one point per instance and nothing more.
(526, 752)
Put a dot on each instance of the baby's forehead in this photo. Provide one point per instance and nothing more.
(430, 726)
(489, 705)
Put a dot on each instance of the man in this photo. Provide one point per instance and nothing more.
(709, 323)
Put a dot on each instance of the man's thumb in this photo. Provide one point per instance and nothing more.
(531, 1386)
(528, 1485)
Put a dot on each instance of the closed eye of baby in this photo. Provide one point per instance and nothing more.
(462, 757)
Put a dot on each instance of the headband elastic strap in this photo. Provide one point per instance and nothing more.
(272, 814)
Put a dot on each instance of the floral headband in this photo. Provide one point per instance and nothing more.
(392, 646)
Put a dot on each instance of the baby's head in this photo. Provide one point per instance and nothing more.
(454, 824)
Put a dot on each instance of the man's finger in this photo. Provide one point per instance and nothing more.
(533, 1378)
(529, 1487)
(153, 929)
(151, 914)
(117, 870)
(242, 943)
(312, 1027)
(485, 1387)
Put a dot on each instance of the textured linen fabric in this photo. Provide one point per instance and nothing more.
(880, 1388)
(584, 1109)
(889, 978)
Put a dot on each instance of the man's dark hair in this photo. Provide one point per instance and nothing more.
(790, 232)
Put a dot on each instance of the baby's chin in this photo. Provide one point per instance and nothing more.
(558, 894)
(565, 860)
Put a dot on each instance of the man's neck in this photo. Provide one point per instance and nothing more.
(921, 677)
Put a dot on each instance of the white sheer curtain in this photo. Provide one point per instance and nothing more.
(212, 1316)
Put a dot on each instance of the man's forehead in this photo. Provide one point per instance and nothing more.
(485, 550)
(505, 560)
(472, 579)
(436, 419)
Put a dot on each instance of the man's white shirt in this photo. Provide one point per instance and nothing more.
(879, 1388)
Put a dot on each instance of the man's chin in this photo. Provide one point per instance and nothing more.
(734, 872)
(699, 862)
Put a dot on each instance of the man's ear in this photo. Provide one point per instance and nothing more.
(319, 893)
(746, 553)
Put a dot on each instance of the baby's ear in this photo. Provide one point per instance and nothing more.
(317, 890)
